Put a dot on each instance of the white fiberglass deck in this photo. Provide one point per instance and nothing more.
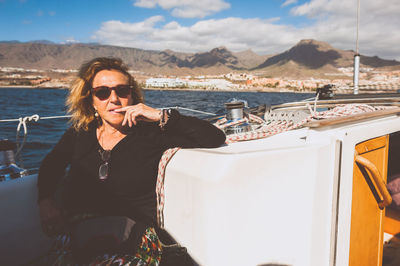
(268, 201)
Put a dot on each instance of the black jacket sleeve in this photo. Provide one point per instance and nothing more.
(191, 132)
(54, 165)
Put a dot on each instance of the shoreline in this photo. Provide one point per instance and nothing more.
(30, 87)
(252, 90)
(277, 90)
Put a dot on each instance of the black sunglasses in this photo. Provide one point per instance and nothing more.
(103, 169)
(103, 92)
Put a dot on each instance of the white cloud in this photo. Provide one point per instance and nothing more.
(333, 21)
(235, 33)
(289, 2)
(70, 40)
(145, 3)
(187, 8)
(52, 13)
(119, 33)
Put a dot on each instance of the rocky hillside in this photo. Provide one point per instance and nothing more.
(307, 58)
(310, 56)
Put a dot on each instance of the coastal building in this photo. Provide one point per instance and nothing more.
(203, 83)
(165, 83)
(239, 76)
(64, 70)
(212, 84)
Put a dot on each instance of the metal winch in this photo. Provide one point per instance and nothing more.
(8, 169)
(234, 113)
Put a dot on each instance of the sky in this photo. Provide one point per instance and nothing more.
(264, 26)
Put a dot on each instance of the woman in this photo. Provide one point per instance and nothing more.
(112, 150)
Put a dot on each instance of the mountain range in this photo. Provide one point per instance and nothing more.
(306, 58)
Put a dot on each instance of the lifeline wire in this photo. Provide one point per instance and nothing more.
(23, 123)
(191, 110)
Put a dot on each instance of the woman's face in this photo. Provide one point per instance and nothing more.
(105, 107)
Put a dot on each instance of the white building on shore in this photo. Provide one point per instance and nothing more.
(207, 84)
(211, 84)
(165, 83)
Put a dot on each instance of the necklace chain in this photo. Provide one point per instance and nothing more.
(101, 139)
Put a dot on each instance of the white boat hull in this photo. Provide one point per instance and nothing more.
(280, 200)
(21, 237)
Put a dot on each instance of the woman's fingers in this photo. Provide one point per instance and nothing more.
(131, 118)
(127, 117)
(131, 114)
(139, 112)
(124, 121)
(123, 109)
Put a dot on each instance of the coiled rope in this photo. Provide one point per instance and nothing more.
(265, 129)
(273, 128)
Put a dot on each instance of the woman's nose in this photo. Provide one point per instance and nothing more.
(114, 96)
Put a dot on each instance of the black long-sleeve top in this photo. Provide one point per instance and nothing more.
(130, 188)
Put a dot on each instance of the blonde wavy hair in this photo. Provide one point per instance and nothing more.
(79, 99)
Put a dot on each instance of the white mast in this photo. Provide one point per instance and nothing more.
(357, 55)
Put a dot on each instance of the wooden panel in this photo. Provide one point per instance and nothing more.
(350, 118)
(366, 236)
(371, 145)
(392, 221)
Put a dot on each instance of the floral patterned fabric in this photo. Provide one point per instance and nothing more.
(148, 253)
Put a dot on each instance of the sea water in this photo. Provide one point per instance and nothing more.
(44, 134)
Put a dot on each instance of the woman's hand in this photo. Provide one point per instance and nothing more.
(139, 112)
(51, 217)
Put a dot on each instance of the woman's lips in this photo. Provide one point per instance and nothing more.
(113, 110)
